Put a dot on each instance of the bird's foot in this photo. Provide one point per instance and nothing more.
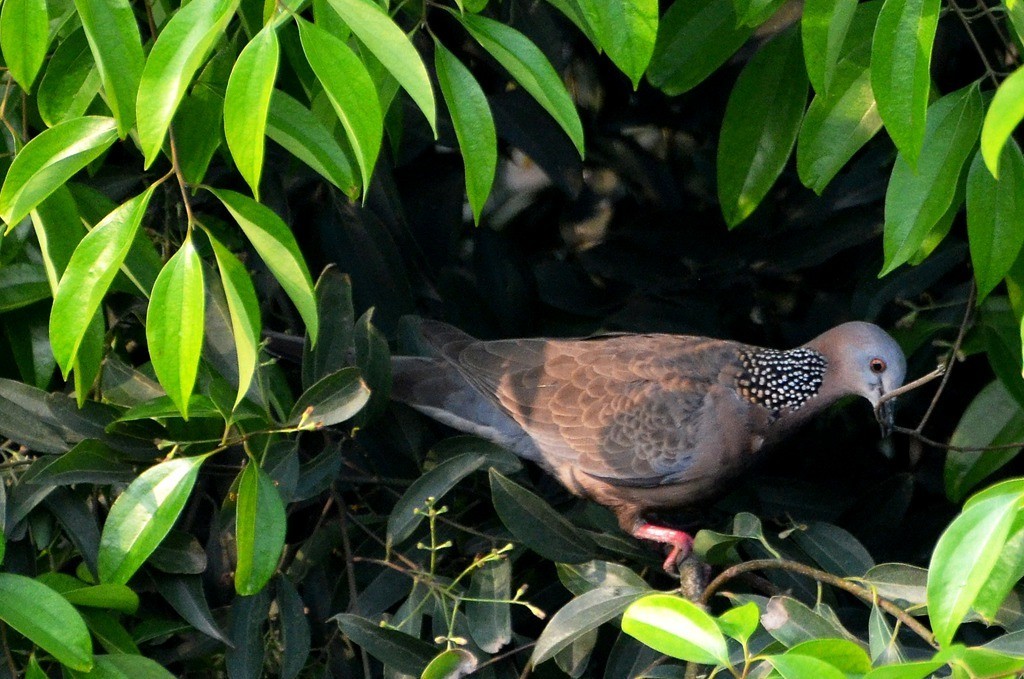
(680, 541)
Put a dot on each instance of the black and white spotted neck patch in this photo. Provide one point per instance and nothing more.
(780, 379)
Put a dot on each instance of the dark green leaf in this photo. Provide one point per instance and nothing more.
(753, 149)
(334, 399)
(88, 462)
(245, 659)
(179, 553)
(694, 39)
(404, 518)
(792, 622)
(834, 549)
(124, 666)
(398, 650)
(295, 638)
(185, 594)
(993, 418)
(536, 524)
(490, 622)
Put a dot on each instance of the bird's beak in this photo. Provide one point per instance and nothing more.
(885, 414)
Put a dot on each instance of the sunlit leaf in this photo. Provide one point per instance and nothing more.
(47, 619)
(247, 102)
(259, 530)
(676, 627)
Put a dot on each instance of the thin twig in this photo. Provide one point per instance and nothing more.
(498, 658)
(910, 386)
(961, 333)
(862, 593)
(989, 71)
(7, 649)
(350, 574)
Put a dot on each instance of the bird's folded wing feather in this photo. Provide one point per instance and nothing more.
(629, 410)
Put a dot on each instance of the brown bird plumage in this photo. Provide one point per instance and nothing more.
(641, 422)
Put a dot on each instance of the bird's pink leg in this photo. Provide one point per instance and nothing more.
(681, 541)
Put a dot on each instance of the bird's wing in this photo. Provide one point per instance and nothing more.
(628, 410)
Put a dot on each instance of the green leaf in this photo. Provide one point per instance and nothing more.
(398, 650)
(963, 559)
(127, 666)
(533, 522)
(843, 118)
(200, 117)
(843, 654)
(174, 324)
(823, 28)
(487, 609)
(803, 666)
(276, 245)
(374, 362)
(695, 38)
(143, 515)
(1004, 114)
(350, 90)
(259, 530)
(740, 623)
(911, 670)
(625, 30)
(244, 308)
(247, 102)
(181, 48)
(753, 149)
(88, 276)
(473, 123)
(901, 583)
(917, 199)
(46, 619)
(70, 82)
(676, 627)
(580, 616)
(294, 127)
(994, 225)
(336, 345)
(530, 68)
(404, 518)
(49, 160)
(992, 418)
(583, 577)
(116, 45)
(115, 597)
(390, 45)
(451, 664)
(901, 55)
(24, 38)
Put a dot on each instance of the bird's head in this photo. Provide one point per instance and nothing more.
(864, 360)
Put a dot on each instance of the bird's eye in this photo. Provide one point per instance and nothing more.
(877, 365)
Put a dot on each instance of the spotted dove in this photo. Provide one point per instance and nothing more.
(642, 422)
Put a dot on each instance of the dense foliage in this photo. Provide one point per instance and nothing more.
(190, 487)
